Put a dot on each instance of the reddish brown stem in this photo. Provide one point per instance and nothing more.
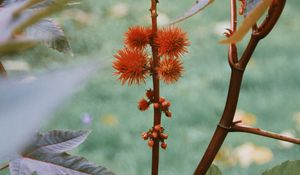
(157, 112)
(2, 70)
(258, 131)
(238, 68)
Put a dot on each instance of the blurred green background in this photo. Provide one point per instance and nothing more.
(269, 97)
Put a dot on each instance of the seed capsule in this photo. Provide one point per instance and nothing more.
(156, 105)
(168, 114)
(164, 136)
(163, 145)
(157, 127)
(145, 136)
(150, 143)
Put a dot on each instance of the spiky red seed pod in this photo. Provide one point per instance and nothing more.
(137, 37)
(157, 127)
(164, 136)
(150, 94)
(170, 70)
(163, 145)
(145, 136)
(168, 114)
(150, 143)
(172, 42)
(156, 105)
(131, 66)
(143, 105)
(154, 134)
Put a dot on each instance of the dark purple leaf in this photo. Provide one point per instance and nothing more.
(251, 4)
(51, 33)
(59, 141)
(55, 164)
(197, 7)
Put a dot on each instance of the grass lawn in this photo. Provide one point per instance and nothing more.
(270, 90)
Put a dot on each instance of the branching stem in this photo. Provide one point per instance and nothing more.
(237, 69)
(258, 131)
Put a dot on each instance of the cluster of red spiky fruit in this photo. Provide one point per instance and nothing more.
(162, 105)
(133, 64)
(156, 133)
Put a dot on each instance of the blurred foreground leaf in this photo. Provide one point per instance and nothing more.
(16, 45)
(196, 8)
(48, 156)
(51, 34)
(17, 16)
(251, 4)
(286, 168)
(59, 141)
(249, 21)
(26, 104)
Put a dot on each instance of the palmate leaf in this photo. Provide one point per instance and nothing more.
(248, 22)
(196, 8)
(59, 141)
(47, 156)
(15, 19)
(55, 164)
(213, 170)
(286, 168)
(51, 33)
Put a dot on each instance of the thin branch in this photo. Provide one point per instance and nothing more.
(258, 131)
(233, 93)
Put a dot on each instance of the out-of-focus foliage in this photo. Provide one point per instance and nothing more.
(17, 16)
(47, 156)
(196, 8)
(214, 170)
(286, 168)
(248, 22)
(34, 99)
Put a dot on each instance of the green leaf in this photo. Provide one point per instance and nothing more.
(196, 8)
(59, 141)
(286, 168)
(214, 170)
(54, 164)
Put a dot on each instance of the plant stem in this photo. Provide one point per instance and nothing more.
(156, 59)
(258, 131)
(237, 70)
(227, 117)
(2, 71)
